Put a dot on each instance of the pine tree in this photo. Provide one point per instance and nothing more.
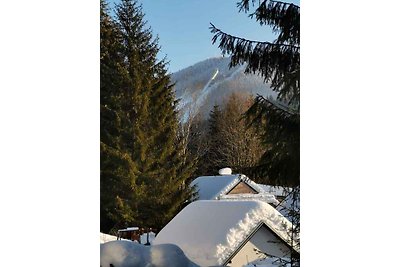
(143, 173)
(118, 171)
(279, 63)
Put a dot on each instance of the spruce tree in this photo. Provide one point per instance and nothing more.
(156, 150)
(143, 173)
(117, 168)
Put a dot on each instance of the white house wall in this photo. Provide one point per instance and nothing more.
(262, 240)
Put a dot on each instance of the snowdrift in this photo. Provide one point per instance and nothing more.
(130, 254)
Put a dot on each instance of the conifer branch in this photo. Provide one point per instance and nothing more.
(285, 3)
(244, 5)
(221, 34)
(277, 62)
(283, 17)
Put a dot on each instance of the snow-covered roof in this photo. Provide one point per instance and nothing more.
(129, 229)
(106, 238)
(275, 190)
(209, 231)
(210, 187)
(217, 187)
(260, 196)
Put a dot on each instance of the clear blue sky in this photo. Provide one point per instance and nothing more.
(183, 27)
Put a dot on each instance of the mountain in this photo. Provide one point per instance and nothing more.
(210, 82)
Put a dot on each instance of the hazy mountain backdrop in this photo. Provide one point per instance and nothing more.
(209, 82)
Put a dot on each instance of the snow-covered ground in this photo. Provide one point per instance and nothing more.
(130, 254)
(143, 238)
(270, 262)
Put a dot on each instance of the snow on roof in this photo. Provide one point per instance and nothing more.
(275, 190)
(210, 187)
(260, 196)
(217, 187)
(210, 231)
(129, 229)
(106, 238)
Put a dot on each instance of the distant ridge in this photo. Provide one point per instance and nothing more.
(209, 82)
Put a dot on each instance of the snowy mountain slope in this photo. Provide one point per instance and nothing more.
(210, 82)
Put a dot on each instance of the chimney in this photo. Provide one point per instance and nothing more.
(225, 171)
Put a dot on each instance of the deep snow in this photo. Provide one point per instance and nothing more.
(130, 254)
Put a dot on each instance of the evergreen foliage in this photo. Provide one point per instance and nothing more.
(279, 63)
(139, 139)
(280, 130)
(117, 168)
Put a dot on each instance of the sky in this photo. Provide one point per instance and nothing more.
(183, 28)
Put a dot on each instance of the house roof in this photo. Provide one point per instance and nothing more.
(210, 231)
(217, 187)
(128, 229)
(106, 238)
(276, 190)
(210, 187)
